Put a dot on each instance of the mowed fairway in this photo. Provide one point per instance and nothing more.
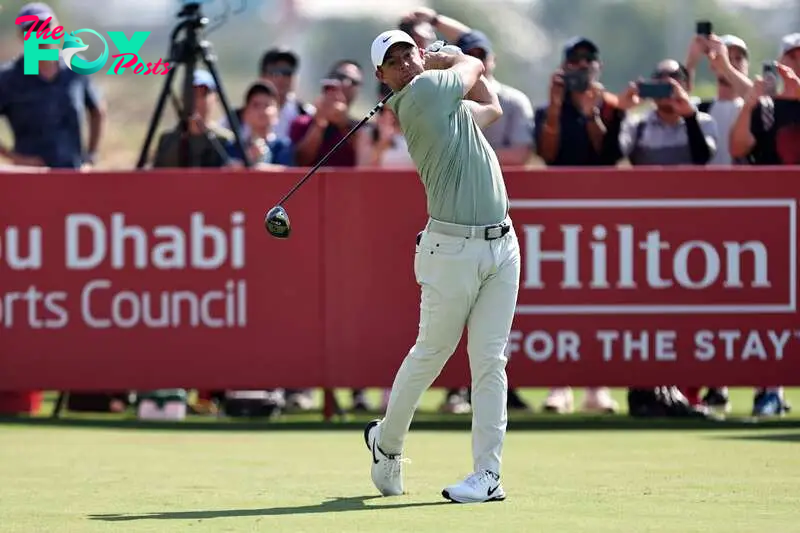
(68, 479)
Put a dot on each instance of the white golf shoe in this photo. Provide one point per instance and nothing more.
(481, 486)
(387, 470)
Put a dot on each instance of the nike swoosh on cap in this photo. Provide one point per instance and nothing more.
(386, 38)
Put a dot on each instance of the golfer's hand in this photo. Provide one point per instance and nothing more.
(438, 60)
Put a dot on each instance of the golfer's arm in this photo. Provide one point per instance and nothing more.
(483, 103)
(482, 93)
(470, 69)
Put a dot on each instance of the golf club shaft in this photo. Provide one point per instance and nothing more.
(330, 152)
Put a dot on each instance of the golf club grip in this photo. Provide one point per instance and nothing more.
(335, 147)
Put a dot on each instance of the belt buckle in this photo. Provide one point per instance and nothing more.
(491, 233)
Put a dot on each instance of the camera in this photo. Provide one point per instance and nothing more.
(576, 81)
(705, 28)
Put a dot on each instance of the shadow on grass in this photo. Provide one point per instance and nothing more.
(762, 437)
(335, 505)
(424, 422)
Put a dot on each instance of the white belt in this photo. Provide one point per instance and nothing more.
(489, 233)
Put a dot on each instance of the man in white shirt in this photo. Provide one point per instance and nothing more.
(728, 58)
(279, 66)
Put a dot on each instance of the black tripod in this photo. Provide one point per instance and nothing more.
(184, 53)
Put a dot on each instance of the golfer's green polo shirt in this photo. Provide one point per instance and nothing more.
(458, 167)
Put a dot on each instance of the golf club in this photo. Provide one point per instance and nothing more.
(276, 220)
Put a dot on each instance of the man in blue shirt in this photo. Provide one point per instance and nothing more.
(258, 118)
(46, 112)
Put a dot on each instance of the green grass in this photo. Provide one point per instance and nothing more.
(80, 480)
(90, 473)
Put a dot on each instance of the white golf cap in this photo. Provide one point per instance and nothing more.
(732, 40)
(384, 41)
(789, 42)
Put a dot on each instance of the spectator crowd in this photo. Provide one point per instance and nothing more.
(751, 120)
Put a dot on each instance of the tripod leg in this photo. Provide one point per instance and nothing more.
(235, 126)
(59, 404)
(165, 91)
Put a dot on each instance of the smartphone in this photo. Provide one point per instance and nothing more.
(655, 89)
(772, 78)
(704, 27)
(576, 81)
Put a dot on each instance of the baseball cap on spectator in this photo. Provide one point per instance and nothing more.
(789, 43)
(663, 70)
(386, 40)
(577, 43)
(203, 78)
(37, 9)
(279, 55)
(474, 40)
(261, 87)
(734, 41)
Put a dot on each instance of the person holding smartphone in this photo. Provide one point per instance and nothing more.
(571, 129)
(675, 132)
(767, 131)
(315, 134)
(728, 57)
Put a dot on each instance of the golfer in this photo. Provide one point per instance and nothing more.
(467, 259)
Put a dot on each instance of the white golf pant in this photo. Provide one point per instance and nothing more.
(469, 282)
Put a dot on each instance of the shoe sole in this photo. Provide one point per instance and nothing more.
(498, 498)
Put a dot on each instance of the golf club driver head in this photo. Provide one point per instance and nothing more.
(277, 223)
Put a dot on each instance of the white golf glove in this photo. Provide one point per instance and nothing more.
(439, 46)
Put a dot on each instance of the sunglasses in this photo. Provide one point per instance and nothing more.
(344, 78)
(280, 71)
(676, 75)
(577, 57)
(37, 26)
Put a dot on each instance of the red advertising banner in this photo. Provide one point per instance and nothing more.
(168, 279)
